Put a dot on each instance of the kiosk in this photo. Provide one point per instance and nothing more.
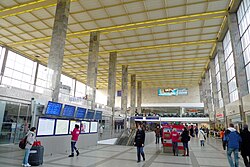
(167, 141)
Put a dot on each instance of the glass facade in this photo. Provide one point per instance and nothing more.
(243, 15)
(19, 72)
(218, 80)
(211, 88)
(230, 68)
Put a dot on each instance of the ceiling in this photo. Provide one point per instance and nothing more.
(164, 42)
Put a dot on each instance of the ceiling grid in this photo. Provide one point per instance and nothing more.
(164, 42)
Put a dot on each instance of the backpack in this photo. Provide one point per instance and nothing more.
(23, 143)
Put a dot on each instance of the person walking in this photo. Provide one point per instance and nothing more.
(157, 134)
(191, 130)
(101, 131)
(245, 145)
(139, 142)
(233, 140)
(31, 137)
(175, 137)
(196, 131)
(202, 137)
(185, 138)
(74, 138)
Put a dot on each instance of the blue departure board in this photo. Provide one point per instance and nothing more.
(53, 108)
(90, 114)
(80, 112)
(98, 115)
(68, 111)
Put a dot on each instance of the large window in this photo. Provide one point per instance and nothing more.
(230, 69)
(80, 89)
(218, 80)
(19, 72)
(68, 82)
(43, 82)
(243, 15)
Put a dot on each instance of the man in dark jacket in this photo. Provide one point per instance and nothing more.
(139, 142)
(185, 138)
(233, 140)
(245, 145)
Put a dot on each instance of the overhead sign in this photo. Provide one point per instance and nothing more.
(172, 91)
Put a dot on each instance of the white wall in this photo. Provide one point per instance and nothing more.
(150, 95)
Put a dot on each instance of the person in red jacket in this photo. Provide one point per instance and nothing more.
(175, 137)
(74, 138)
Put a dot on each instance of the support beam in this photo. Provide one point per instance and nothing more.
(92, 67)
(112, 85)
(139, 96)
(56, 54)
(132, 94)
(124, 99)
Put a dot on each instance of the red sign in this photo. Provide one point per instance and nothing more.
(219, 115)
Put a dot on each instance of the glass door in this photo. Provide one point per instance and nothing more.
(23, 122)
(15, 120)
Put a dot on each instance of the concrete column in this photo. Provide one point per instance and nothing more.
(133, 94)
(112, 79)
(92, 67)
(208, 93)
(112, 85)
(56, 54)
(240, 72)
(201, 92)
(124, 99)
(139, 96)
(204, 95)
(223, 78)
(214, 85)
(215, 92)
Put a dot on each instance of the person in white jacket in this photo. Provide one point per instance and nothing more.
(202, 137)
(31, 137)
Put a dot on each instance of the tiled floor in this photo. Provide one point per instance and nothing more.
(212, 155)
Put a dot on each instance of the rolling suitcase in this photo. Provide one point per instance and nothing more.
(36, 155)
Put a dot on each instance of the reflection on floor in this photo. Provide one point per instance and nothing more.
(212, 155)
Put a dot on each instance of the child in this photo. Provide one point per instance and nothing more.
(75, 134)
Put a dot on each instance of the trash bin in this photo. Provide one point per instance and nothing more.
(36, 155)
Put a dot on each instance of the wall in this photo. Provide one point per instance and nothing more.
(150, 95)
(61, 144)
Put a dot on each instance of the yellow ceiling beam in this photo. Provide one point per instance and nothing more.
(148, 63)
(179, 44)
(172, 79)
(27, 7)
(132, 26)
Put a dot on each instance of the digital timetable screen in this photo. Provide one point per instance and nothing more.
(81, 112)
(53, 108)
(69, 111)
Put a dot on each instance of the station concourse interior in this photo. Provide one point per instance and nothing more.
(108, 64)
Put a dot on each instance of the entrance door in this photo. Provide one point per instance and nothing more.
(15, 119)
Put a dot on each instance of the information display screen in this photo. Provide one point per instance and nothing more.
(72, 125)
(172, 91)
(53, 108)
(45, 127)
(93, 127)
(98, 115)
(69, 111)
(81, 112)
(90, 114)
(62, 127)
(85, 127)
